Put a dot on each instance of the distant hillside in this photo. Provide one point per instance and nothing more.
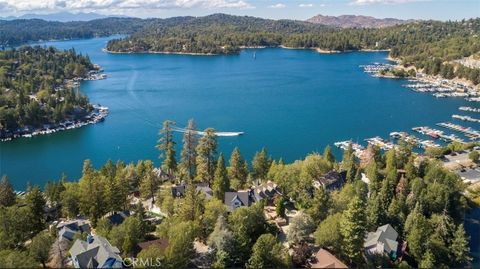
(353, 21)
(62, 16)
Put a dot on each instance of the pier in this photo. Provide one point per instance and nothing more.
(467, 131)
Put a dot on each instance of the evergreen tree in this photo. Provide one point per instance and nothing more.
(39, 248)
(166, 146)
(35, 201)
(459, 248)
(189, 154)
(149, 182)
(268, 253)
(353, 230)
(180, 248)
(260, 165)
(206, 155)
(221, 183)
(280, 207)
(237, 170)
(428, 260)
(193, 205)
(328, 155)
(91, 193)
(7, 195)
(319, 205)
(371, 172)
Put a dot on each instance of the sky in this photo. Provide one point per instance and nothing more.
(274, 9)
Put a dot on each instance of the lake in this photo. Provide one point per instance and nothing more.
(293, 102)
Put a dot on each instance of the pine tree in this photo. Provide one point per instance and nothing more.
(149, 182)
(188, 155)
(353, 230)
(328, 155)
(428, 260)
(193, 205)
(166, 146)
(36, 203)
(206, 155)
(92, 193)
(260, 165)
(7, 195)
(237, 170)
(371, 173)
(459, 248)
(320, 205)
(221, 183)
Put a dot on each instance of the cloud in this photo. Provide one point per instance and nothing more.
(279, 5)
(82, 5)
(371, 2)
(307, 5)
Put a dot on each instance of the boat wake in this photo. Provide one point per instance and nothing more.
(183, 130)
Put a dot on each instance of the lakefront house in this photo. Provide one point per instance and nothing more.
(384, 240)
(96, 252)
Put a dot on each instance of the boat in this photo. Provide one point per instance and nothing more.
(183, 130)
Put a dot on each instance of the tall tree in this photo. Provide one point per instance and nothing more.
(237, 170)
(221, 183)
(92, 201)
(328, 155)
(266, 252)
(260, 165)
(39, 248)
(180, 248)
(206, 155)
(320, 205)
(193, 205)
(459, 249)
(166, 146)
(149, 182)
(189, 154)
(36, 203)
(7, 196)
(353, 230)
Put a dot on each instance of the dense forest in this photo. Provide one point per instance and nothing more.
(17, 32)
(428, 45)
(33, 86)
(421, 200)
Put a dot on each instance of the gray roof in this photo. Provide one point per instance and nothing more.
(205, 189)
(68, 229)
(242, 196)
(97, 252)
(385, 235)
(265, 190)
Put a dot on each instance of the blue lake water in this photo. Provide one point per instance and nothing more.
(292, 102)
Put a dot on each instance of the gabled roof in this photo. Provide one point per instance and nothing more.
(118, 217)
(265, 190)
(205, 189)
(325, 259)
(97, 252)
(242, 196)
(332, 177)
(178, 191)
(386, 235)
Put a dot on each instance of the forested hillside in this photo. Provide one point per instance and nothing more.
(32, 81)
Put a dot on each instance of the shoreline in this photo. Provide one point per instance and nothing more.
(319, 50)
(160, 52)
(98, 114)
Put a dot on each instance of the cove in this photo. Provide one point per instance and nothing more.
(293, 102)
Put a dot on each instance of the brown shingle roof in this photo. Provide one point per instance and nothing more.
(325, 259)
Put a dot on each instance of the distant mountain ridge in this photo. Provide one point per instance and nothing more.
(62, 16)
(354, 21)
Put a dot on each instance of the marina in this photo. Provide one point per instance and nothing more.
(469, 109)
(465, 118)
(467, 131)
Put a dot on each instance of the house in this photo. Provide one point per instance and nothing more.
(325, 259)
(68, 229)
(96, 252)
(267, 190)
(234, 200)
(205, 189)
(331, 181)
(117, 218)
(384, 240)
(178, 190)
(160, 174)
